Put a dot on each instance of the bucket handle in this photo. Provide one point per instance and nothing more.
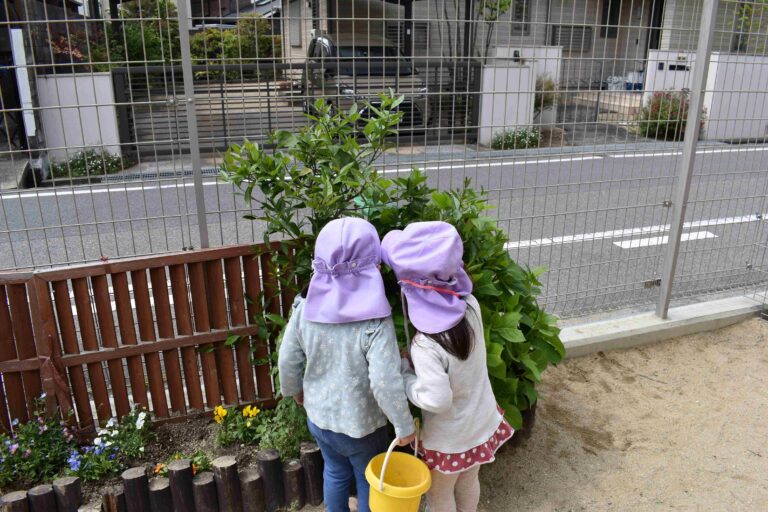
(392, 446)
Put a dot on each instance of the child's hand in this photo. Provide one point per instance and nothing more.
(405, 354)
(404, 441)
(299, 399)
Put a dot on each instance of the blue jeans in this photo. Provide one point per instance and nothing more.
(346, 458)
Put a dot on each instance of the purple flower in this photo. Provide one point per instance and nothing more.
(13, 448)
(113, 456)
(28, 453)
(74, 461)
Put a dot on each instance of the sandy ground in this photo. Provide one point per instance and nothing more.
(679, 425)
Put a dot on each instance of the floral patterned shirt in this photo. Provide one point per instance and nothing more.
(350, 374)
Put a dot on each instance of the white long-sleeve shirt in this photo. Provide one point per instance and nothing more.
(458, 407)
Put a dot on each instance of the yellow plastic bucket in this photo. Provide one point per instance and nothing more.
(403, 480)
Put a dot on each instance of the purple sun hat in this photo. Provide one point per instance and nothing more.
(346, 286)
(427, 260)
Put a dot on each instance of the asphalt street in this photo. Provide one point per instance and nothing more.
(597, 220)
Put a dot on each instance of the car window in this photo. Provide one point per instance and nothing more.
(348, 52)
(324, 51)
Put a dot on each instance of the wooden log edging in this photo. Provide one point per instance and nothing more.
(227, 488)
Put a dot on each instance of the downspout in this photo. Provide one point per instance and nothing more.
(546, 23)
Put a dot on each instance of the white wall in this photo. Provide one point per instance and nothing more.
(737, 98)
(83, 113)
(660, 80)
(546, 60)
(507, 98)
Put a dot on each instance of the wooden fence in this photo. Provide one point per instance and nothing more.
(148, 331)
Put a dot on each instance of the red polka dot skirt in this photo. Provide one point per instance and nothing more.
(481, 454)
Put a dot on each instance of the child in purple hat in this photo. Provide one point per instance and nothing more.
(339, 358)
(446, 375)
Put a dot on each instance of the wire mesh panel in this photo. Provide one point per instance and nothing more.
(570, 115)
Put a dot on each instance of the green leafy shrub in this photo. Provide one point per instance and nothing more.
(36, 451)
(249, 42)
(89, 163)
(522, 138)
(115, 445)
(665, 116)
(325, 171)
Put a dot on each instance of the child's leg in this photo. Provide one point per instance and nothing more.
(337, 471)
(440, 496)
(361, 454)
(467, 490)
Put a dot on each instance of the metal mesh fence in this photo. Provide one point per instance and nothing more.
(570, 114)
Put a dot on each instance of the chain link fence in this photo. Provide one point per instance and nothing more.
(621, 142)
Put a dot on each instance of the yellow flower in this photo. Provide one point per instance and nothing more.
(254, 411)
(248, 423)
(247, 411)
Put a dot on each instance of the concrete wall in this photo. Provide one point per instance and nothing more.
(666, 79)
(507, 98)
(81, 114)
(737, 98)
(546, 60)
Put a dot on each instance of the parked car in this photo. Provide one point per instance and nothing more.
(347, 69)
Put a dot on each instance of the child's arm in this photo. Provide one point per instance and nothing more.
(291, 358)
(427, 384)
(386, 381)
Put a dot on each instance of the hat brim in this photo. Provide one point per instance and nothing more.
(433, 312)
(389, 241)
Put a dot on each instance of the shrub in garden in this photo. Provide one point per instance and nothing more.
(522, 138)
(665, 116)
(36, 451)
(326, 170)
(89, 163)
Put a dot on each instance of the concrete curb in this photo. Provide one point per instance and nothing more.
(630, 331)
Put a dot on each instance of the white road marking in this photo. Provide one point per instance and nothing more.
(677, 153)
(622, 233)
(661, 240)
(119, 188)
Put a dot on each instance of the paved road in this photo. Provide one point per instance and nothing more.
(597, 220)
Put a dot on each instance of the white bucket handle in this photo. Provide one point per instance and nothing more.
(392, 446)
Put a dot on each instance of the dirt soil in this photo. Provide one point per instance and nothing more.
(679, 425)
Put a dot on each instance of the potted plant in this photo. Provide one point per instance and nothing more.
(545, 100)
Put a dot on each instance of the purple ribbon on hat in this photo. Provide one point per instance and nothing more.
(345, 267)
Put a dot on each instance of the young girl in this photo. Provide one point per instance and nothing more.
(339, 357)
(462, 425)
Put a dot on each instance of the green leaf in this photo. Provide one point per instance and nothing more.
(231, 340)
(276, 319)
(512, 335)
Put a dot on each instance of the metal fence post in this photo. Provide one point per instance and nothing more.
(683, 186)
(194, 143)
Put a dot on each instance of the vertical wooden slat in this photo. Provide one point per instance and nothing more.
(288, 286)
(271, 298)
(202, 324)
(109, 340)
(12, 384)
(147, 333)
(69, 341)
(128, 337)
(237, 314)
(184, 327)
(25, 342)
(260, 349)
(52, 372)
(165, 330)
(90, 343)
(217, 304)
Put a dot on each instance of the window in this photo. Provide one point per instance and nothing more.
(609, 26)
(573, 38)
(521, 17)
(395, 32)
